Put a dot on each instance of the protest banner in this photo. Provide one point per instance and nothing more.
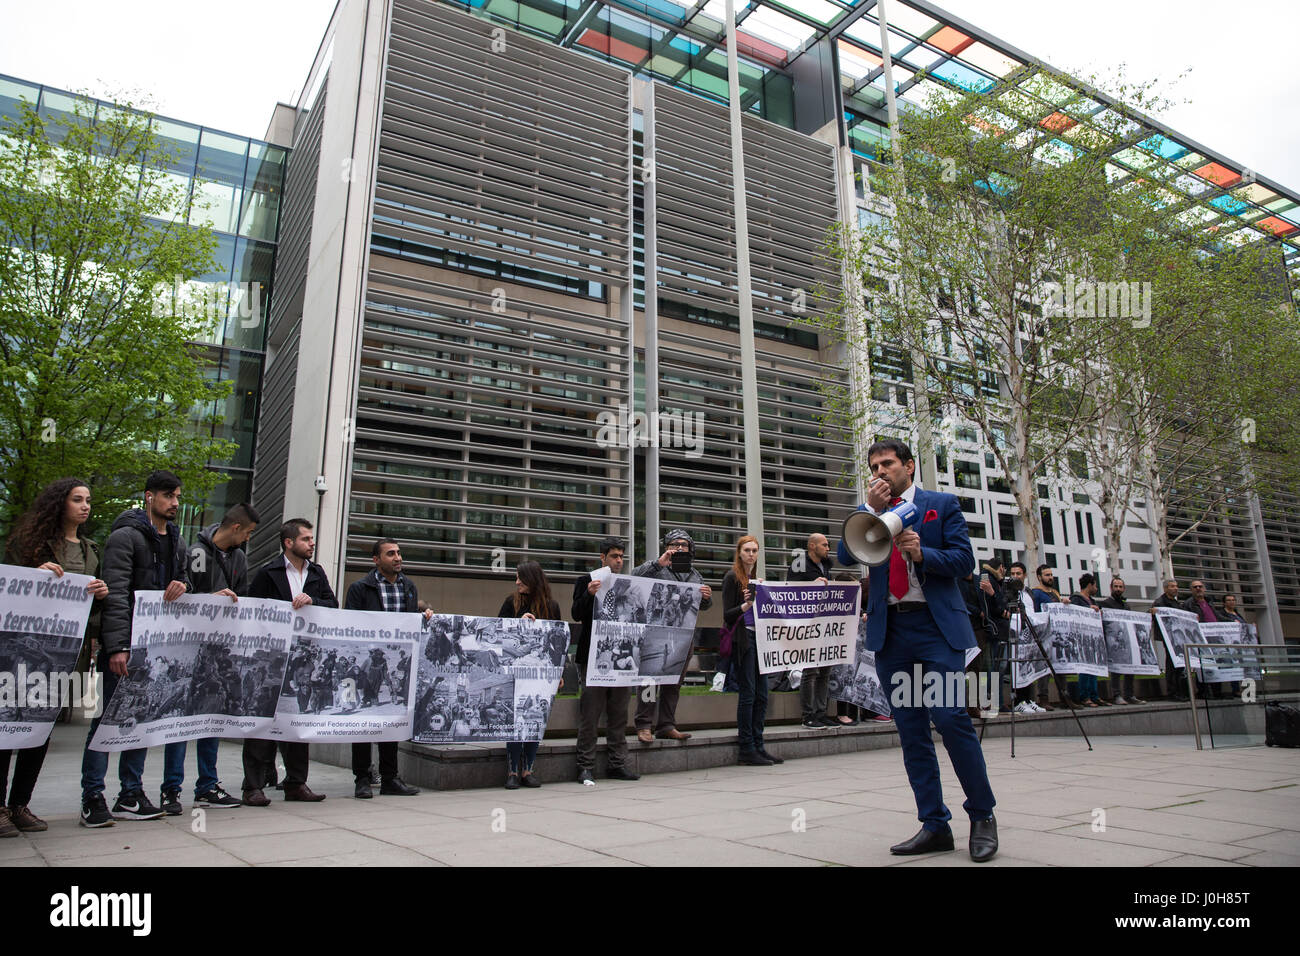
(42, 623)
(200, 666)
(1225, 664)
(805, 625)
(348, 678)
(1027, 661)
(1178, 627)
(1129, 649)
(1075, 640)
(642, 630)
(487, 679)
(857, 682)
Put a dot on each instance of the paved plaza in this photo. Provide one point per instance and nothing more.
(1133, 801)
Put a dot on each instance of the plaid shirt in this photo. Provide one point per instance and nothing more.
(392, 594)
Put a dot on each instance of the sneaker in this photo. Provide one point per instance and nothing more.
(135, 806)
(622, 773)
(812, 723)
(719, 682)
(586, 779)
(1119, 701)
(1039, 708)
(26, 821)
(363, 790)
(216, 799)
(1027, 707)
(1136, 700)
(7, 828)
(94, 812)
(170, 803)
(883, 718)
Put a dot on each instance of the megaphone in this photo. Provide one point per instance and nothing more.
(869, 538)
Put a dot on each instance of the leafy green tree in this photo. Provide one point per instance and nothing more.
(100, 373)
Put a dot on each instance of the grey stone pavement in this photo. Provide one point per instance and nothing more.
(1164, 804)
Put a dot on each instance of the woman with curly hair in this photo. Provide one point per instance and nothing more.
(48, 536)
(532, 601)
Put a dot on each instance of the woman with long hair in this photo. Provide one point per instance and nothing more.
(49, 536)
(738, 613)
(532, 601)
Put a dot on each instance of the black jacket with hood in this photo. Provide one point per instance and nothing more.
(133, 561)
(653, 569)
(212, 569)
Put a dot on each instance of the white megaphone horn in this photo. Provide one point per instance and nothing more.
(869, 538)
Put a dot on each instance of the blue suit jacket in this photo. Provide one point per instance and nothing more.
(947, 554)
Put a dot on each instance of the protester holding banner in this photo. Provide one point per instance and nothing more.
(218, 565)
(656, 713)
(144, 552)
(814, 689)
(611, 701)
(1126, 683)
(916, 620)
(1088, 693)
(385, 588)
(1199, 605)
(1045, 593)
(1175, 681)
(738, 613)
(48, 536)
(292, 577)
(532, 601)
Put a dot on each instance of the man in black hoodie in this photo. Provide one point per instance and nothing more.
(144, 552)
(218, 565)
(664, 724)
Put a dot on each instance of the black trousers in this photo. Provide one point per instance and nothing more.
(259, 762)
(387, 760)
(26, 769)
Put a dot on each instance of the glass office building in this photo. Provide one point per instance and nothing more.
(234, 185)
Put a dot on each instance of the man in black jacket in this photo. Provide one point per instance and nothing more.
(292, 577)
(814, 564)
(1175, 681)
(144, 552)
(217, 566)
(385, 588)
(1126, 683)
(611, 701)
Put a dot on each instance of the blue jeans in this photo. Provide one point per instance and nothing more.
(751, 706)
(94, 764)
(520, 752)
(174, 766)
(1087, 687)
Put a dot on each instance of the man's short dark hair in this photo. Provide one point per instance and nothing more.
(899, 448)
(291, 529)
(1043, 567)
(1086, 579)
(161, 480)
(994, 562)
(1020, 565)
(242, 514)
(612, 544)
(379, 546)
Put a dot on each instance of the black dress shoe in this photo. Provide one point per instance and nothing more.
(767, 756)
(983, 839)
(363, 791)
(397, 787)
(925, 841)
(622, 773)
(751, 758)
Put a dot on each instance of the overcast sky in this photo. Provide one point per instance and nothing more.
(226, 64)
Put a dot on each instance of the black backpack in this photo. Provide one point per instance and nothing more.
(1281, 725)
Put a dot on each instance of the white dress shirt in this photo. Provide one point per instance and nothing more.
(296, 578)
(914, 592)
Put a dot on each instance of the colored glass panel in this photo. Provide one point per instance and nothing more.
(1057, 122)
(950, 41)
(1277, 226)
(1218, 174)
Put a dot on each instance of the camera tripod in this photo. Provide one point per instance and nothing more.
(1018, 614)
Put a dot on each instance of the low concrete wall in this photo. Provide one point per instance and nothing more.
(461, 766)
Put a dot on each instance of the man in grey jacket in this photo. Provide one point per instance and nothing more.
(664, 696)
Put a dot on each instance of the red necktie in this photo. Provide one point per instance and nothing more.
(898, 584)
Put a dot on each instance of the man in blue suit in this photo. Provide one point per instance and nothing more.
(916, 615)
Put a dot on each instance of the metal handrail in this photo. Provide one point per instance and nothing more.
(1287, 655)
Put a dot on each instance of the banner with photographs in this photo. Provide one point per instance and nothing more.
(1027, 661)
(857, 681)
(349, 676)
(1129, 649)
(44, 620)
(642, 630)
(1178, 627)
(487, 679)
(1226, 664)
(1075, 640)
(200, 666)
(805, 625)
